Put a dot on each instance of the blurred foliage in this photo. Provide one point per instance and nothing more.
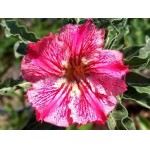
(131, 36)
(139, 28)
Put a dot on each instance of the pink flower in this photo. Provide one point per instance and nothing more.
(74, 80)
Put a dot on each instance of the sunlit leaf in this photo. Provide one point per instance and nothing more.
(119, 120)
(116, 31)
(142, 99)
(8, 86)
(137, 56)
(13, 29)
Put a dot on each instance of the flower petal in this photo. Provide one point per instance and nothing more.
(49, 97)
(89, 107)
(40, 62)
(108, 72)
(82, 39)
(106, 84)
(91, 39)
(108, 59)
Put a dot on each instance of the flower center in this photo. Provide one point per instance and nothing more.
(74, 72)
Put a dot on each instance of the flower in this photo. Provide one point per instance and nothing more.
(74, 80)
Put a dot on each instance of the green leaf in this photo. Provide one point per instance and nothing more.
(145, 51)
(106, 22)
(118, 42)
(131, 51)
(119, 120)
(8, 86)
(6, 91)
(128, 124)
(116, 116)
(10, 82)
(116, 31)
(137, 56)
(143, 123)
(13, 29)
(134, 79)
(85, 127)
(142, 99)
(20, 49)
(142, 89)
(137, 62)
(73, 21)
(71, 127)
(138, 89)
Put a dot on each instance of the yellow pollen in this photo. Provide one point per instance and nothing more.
(59, 82)
(75, 91)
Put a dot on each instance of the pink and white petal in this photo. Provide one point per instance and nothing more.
(49, 98)
(107, 72)
(111, 59)
(33, 70)
(87, 107)
(91, 39)
(40, 62)
(82, 39)
(108, 102)
(69, 35)
(106, 84)
(48, 50)
(40, 47)
(110, 56)
(107, 60)
(93, 84)
(115, 69)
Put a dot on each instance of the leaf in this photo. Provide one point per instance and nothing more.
(142, 89)
(137, 62)
(128, 124)
(119, 120)
(134, 79)
(20, 49)
(10, 82)
(106, 22)
(145, 51)
(131, 51)
(143, 123)
(13, 29)
(73, 21)
(138, 89)
(71, 127)
(117, 115)
(118, 42)
(137, 56)
(8, 86)
(142, 99)
(85, 127)
(116, 31)
(6, 91)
